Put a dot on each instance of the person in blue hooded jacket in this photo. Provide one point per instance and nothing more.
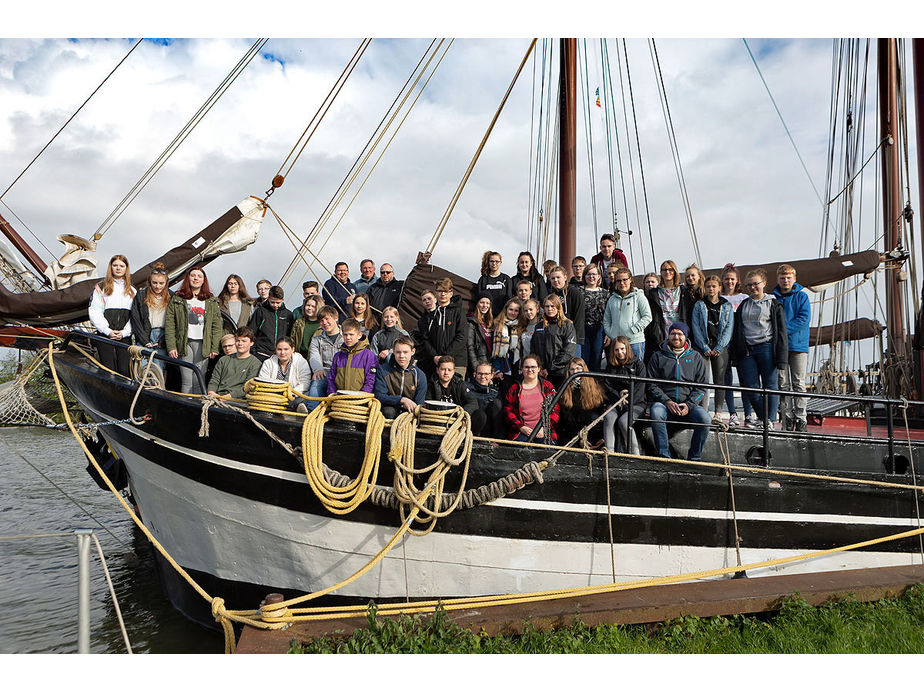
(712, 321)
(678, 361)
(798, 310)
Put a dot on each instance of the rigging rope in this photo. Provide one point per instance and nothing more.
(180, 137)
(468, 172)
(388, 119)
(73, 115)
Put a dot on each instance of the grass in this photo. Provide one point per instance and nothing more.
(844, 626)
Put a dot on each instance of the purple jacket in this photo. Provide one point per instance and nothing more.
(353, 368)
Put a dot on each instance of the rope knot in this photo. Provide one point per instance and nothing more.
(219, 613)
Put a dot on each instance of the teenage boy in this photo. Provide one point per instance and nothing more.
(270, 321)
(524, 290)
(235, 369)
(609, 254)
(798, 311)
(572, 300)
(263, 287)
(353, 367)
(448, 386)
(400, 385)
(326, 342)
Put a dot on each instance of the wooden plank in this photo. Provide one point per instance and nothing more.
(642, 605)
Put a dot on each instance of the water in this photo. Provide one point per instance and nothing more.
(38, 577)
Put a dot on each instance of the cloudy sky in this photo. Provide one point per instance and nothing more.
(750, 197)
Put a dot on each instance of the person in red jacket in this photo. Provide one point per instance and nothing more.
(608, 255)
(523, 404)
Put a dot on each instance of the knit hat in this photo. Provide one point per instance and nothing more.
(682, 327)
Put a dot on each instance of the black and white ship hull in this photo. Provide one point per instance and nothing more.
(236, 511)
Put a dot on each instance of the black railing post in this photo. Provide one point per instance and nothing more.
(869, 420)
(891, 435)
(629, 413)
(766, 407)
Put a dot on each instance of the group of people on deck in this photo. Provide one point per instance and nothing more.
(523, 337)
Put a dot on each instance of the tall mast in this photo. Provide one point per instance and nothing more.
(567, 162)
(891, 191)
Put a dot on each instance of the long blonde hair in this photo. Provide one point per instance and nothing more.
(591, 392)
(677, 280)
(562, 318)
(392, 309)
(500, 322)
(107, 286)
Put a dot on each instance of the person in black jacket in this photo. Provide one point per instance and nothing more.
(148, 310)
(447, 385)
(654, 331)
(572, 301)
(270, 321)
(494, 283)
(526, 269)
(441, 330)
(480, 337)
(386, 290)
(690, 293)
(622, 361)
(489, 399)
(581, 402)
(554, 342)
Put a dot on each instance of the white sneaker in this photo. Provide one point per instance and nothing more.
(733, 420)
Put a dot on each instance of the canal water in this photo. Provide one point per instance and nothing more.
(45, 489)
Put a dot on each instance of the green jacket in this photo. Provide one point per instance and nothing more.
(299, 334)
(176, 326)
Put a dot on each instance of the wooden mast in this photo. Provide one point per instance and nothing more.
(567, 162)
(891, 191)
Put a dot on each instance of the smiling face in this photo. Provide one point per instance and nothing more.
(619, 350)
(484, 305)
(592, 277)
(531, 309)
(196, 280)
(676, 339)
(263, 290)
(367, 270)
(329, 324)
(530, 370)
(242, 345)
(342, 272)
(729, 283)
(691, 278)
(754, 284)
(524, 264)
(310, 309)
(668, 273)
(483, 374)
(524, 291)
(360, 305)
(390, 317)
(513, 311)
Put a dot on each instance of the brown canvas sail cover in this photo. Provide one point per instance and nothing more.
(852, 330)
(424, 277)
(70, 305)
(814, 274)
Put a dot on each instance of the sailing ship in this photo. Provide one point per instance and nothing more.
(231, 502)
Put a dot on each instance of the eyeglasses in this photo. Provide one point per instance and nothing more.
(159, 271)
(443, 291)
(667, 269)
(624, 279)
(530, 368)
(487, 374)
(757, 283)
(494, 262)
(387, 272)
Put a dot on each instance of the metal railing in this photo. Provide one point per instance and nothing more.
(866, 402)
(145, 350)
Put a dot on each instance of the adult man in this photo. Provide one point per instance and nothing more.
(608, 254)
(270, 321)
(366, 276)
(386, 290)
(676, 360)
(627, 313)
(399, 385)
(572, 300)
(798, 311)
(339, 290)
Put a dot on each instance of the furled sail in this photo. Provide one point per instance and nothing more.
(230, 233)
(852, 330)
(816, 274)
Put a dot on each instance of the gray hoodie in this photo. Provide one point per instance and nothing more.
(756, 322)
(322, 350)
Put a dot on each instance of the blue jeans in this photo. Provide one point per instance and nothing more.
(592, 349)
(758, 369)
(696, 415)
(639, 350)
(317, 388)
(730, 394)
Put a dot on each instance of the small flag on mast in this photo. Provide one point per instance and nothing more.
(598, 97)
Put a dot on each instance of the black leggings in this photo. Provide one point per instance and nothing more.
(114, 357)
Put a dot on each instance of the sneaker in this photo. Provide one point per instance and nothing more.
(301, 408)
(733, 420)
(752, 422)
(799, 426)
(789, 424)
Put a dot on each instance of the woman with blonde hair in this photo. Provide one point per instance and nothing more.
(149, 309)
(383, 341)
(582, 400)
(508, 328)
(691, 292)
(554, 340)
(110, 313)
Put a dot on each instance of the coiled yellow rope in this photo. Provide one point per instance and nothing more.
(264, 396)
(455, 427)
(361, 408)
